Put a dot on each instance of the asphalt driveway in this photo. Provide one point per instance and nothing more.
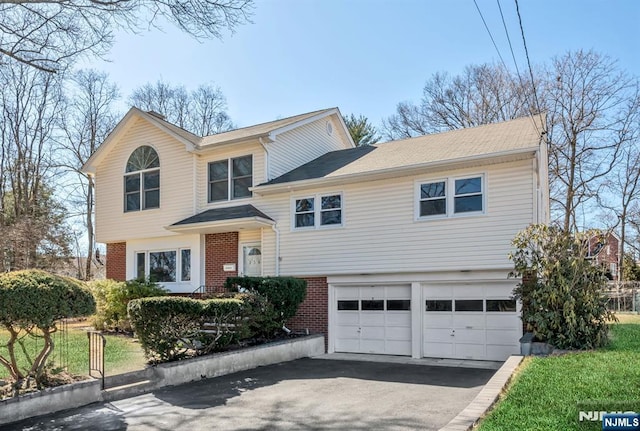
(307, 394)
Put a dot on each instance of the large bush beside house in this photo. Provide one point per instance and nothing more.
(284, 294)
(170, 328)
(112, 298)
(561, 289)
(31, 302)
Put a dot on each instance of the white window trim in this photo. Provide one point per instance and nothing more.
(178, 252)
(229, 198)
(450, 184)
(317, 210)
(141, 191)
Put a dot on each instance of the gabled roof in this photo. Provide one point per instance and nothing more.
(220, 214)
(492, 140)
(196, 143)
(266, 129)
(187, 138)
(225, 219)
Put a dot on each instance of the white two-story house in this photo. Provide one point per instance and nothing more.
(404, 244)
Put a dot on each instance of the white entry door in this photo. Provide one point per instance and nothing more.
(373, 319)
(470, 322)
(252, 260)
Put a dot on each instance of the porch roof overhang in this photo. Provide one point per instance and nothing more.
(218, 220)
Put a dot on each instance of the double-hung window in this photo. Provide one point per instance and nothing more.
(142, 180)
(165, 266)
(450, 196)
(230, 179)
(317, 211)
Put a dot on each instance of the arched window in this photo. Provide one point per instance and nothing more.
(142, 180)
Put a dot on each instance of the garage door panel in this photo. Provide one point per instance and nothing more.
(503, 337)
(438, 320)
(502, 320)
(347, 345)
(395, 318)
(397, 347)
(372, 346)
(463, 320)
(470, 336)
(368, 318)
(347, 318)
(435, 291)
(439, 350)
(473, 327)
(470, 351)
(398, 292)
(438, 335)
(349, 331)
(372, 292)
(497, 291)
(398, 333)
(372, 332)
(468, 292)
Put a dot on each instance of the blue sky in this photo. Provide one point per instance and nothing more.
(365, 56)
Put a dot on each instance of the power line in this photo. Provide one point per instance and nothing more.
(526, 52)
(515, 62)
(490, 35)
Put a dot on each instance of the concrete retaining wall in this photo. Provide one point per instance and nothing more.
(50, 400)
(175, 373)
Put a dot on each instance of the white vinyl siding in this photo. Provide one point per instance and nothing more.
(176, 179)
(382, 236)
(303, 144)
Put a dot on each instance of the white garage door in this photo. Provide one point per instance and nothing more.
(470, 322)
(373, 319)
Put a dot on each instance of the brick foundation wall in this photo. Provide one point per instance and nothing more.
(117, 261)
(313, 313)
(220, 248)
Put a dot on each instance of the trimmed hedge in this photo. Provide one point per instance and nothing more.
(112, 298)
(170, 328)
(31, 302)
(285, 294)
(34, 297)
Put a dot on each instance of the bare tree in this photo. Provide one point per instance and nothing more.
(589, 124)
(482, 94)
(85, 124)
(623, 184)
(362, 132)
(33, 233)
(49, 34)
(202, 111)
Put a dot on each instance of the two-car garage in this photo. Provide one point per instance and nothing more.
(462, 320)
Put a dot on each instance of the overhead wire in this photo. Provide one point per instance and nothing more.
(515, 62)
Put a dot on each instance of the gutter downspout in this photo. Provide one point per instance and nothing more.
(267, 164)
(275, 229)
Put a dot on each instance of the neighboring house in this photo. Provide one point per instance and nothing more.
(604, 249)
(404, 244)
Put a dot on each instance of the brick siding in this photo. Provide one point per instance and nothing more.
(313, 313)
(117, 261)
(220, 248)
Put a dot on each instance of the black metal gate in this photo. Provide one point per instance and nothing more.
(97, 343)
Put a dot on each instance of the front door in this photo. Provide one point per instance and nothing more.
(251, 260)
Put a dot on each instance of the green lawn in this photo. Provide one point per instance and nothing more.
(545, 393)
(122, 354)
